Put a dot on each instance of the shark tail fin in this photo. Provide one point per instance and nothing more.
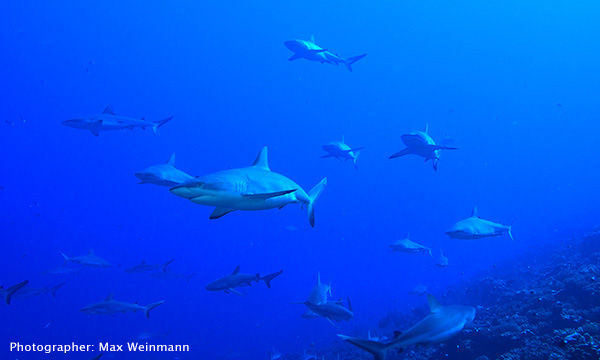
(510, 233)
(314, 194)
(267, 278)
(377, 349)
(12, 290)
(53, 290)
(351, 60)
(356, 153)
(66, 258)
(152, 306)
(165, 265)
(159, 123)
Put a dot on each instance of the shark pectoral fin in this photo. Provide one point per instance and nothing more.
(94, 132)
(377, 349)
(295, 57)
(219, 212)
(233, 291)
(265, 196)
(400, 153)
(332, 323)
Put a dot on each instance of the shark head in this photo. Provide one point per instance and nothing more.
(296, 45)
(201, 186)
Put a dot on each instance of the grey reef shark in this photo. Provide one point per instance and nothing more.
(474, 227)
(421, 144)
(7, 294)
(88, 260)
(307, 49)
(254, 187)
(408, 246)
(111, 306)
(229, 283)
(442, 323)
(341, 151)
(109, 121)
(163, 174)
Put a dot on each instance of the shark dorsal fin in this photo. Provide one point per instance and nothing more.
(236, 270)
(108, 110)
(397, 334)
(426, 128)
(343, 139)
(434, 305)
(171, 160)
(408, 234)
(319, 278)
(312, 39)
(262, 160)
(109, 297)
(474, 212)
(349, 304)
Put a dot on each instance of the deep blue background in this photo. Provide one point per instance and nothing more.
(514, 84)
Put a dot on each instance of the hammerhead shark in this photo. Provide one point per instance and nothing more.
(308, 50)
(421, 144)
(8, 293)
(251, 188)
(341, 151)
(474, 227)
(163, 174)
(237, 279)
(442, 323)
(111, 306)
(109, 121)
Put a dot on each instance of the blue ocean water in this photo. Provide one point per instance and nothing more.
(514, 85)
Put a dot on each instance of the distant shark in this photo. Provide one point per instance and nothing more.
(88, 260)
(408, 246)
(109, 121)
(163, 174)
(308, 50)
(111, 306)
(318, 294)
(8, 293)
(331, 310)
(442, 323)
(341, 151)
(237, 279)
(143, 267)
(28, 291)
(441, 261)
(474, 227)
(251, 188)
(421, 144)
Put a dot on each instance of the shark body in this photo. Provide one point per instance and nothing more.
(474, 227)
(341, 151)
(111, 306)
(229, 283)
(307, 49)
(421, 144)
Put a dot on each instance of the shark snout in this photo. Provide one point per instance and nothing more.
(293, 45)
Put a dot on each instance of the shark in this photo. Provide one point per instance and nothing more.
(143, 267)
(341, 151)
(163, 174)
(237, 279)
(408, 246)
(442, 323)
(274, 354)
(111, 306)
(421, 144)
(331, 310)
(8, 293)
(107, 120)
(307, 49)
(474, 227)
(28, 291)
(88, 260)
(318, 294)
(251, 188)
(441, 261)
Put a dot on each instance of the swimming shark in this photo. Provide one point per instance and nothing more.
(442, 323)
(143, 267)
(237, 279)
(8, 293)
(318, 294)
(109, 121)
(28, 291)
(474, 227)
(408, 246)
(111, 306)
(331, 310)
(163, 174)
(308, 50)
(341, 151)
(441, 261)
(421, 144)
(88, 260)
(251, 188)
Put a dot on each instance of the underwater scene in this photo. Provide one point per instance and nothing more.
(297, 180)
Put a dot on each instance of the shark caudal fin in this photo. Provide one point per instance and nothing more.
(379, 350)
(351, 60)
(8, 293)
(159, 123)
(150, 307)
(53, 290)
(314, 194)
(267, 278)
(509, 228)
(165, 265)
